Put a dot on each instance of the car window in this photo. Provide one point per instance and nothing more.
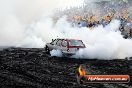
(59, 43)
(75, 43)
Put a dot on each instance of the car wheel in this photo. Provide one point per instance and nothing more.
(47, 50)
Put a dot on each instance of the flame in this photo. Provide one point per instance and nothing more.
(82, 71)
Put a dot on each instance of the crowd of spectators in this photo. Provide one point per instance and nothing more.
(101, 13)
(93, 21)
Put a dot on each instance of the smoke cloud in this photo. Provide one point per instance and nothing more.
(17, 16)
(57, 53)
(101, 42)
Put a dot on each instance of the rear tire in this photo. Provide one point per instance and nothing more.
(47, 50)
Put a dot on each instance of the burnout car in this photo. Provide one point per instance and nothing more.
(66, 46)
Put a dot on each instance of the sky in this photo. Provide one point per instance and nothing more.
(70, 3)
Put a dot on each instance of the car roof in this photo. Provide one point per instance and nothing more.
(69, 39)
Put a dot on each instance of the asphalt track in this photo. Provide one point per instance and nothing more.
(33, 68)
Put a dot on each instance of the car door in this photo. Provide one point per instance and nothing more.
(58, 44)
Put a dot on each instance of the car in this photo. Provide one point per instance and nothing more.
(66, 46)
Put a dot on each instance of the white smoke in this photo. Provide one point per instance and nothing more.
(57, 53)
(101, 42)
(16, 17)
